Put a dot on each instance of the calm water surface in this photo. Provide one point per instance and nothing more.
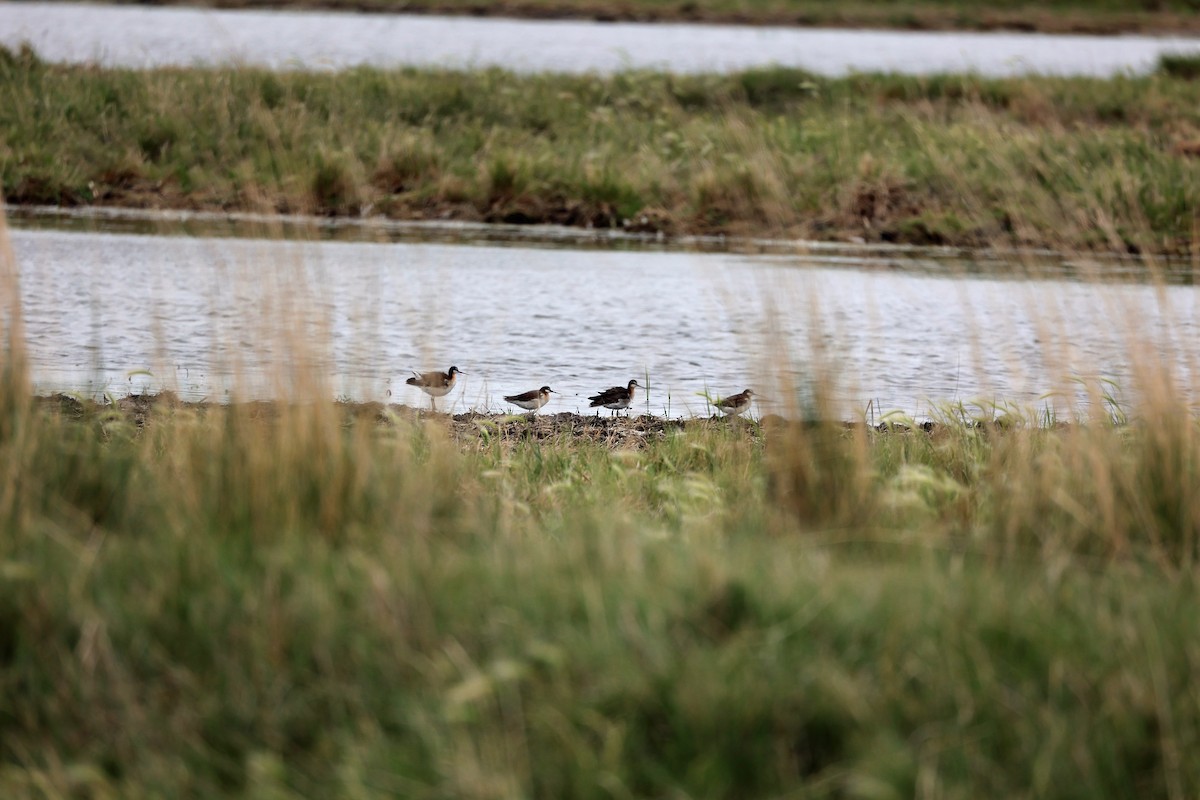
(146, 37)
(124, 313)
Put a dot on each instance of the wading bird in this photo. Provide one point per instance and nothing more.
(616, 398)
(435, 384)
(531, 400)
(736, 404)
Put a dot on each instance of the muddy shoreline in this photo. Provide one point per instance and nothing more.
(603, 428)
(476, 427)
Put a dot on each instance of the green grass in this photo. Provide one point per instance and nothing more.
(1078, 164)
(1181, 65)
(312, 600)
(318, 604)
(308, 600)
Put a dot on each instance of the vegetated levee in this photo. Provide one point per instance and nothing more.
(960, 160)
(1063, 16)
(297, 599)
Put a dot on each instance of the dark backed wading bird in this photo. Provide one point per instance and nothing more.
(435, 384)
(531, 400)
(736, 404)
(615, 398)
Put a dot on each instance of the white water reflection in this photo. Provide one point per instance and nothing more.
(140, 37)
(203, 316)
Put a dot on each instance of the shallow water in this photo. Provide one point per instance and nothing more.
(146, 37)
(126, 313)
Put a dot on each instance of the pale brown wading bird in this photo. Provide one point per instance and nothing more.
(435, 384)
(616, 398)
(736, 404)
(531, 400)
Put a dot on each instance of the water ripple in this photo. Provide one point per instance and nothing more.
(205, 316)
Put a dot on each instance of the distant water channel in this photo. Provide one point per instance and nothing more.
(125, 313)
(140, 37)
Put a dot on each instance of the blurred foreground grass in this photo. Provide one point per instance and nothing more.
(297, 601)
(1070, 164)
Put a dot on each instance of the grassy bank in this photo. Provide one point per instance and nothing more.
(299, 600)
(307, 603)
(1077, 164)
(1059, 16)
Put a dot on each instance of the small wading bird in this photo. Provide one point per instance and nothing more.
(616, 398)
(435, 384)
(736, 404)
(531, 400)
